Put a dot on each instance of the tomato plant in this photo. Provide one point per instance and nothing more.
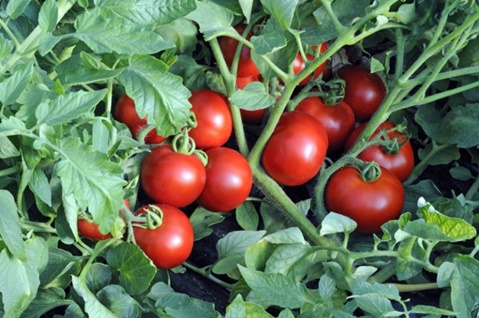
(228, 180)
(395, 154)
(338, 120)
(364, 91)
(296, 150)
(169, 243)
(370, 201)
(213, 116)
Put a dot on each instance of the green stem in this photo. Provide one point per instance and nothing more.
(9, 171)
(10, 34)
(407, 288)
(208, 275)
(473, 189)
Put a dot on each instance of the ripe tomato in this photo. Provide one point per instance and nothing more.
(228, 180)
(337, 120)
(213, 116)
(228, 46)
(171, 177)
(398, 160)
(171, 243)
(296, 150)
(364, 91)
(370, 204)
(299, 64)
(125, 112)
(250, 116)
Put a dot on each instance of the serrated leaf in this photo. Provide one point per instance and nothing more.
(136, 270)
(157, 93)
(202, 220)
(460, 126)
(247, 216)
(10, 230)
(252, 97)
(119, 301)
(337, 223)
(40, 186)
(375, 299)
(93, 307)
(79, 70)
(12, 87)
(47, 18)
(212, 19)
(292, 235)
(271, 38)
(96, 181)
(64, 108)
(7, 148)
(283, 11)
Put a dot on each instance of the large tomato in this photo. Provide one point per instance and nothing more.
(89, 229)
(250, 116)
(213, 116)
(337, 120)
(364, 91)
(296, 150)
(172, 177)
(228, 46)
(369, 203)
(398, 158)
(125, 112)
(170, 244)
(228, 180)
(299, 64)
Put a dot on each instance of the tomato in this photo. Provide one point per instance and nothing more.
(299, 64)
(213, 115)
(171, 243)
(369, 203)
(337, 120)
(250, 116)
(364, 91)
(228, 46)
(90, 230)
(125, 112)
(296, 150)
(228, 180)
(399, 160)
(172, 177)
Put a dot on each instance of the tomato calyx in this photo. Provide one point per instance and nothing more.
(391, 140)
(335, 92)
(369, 171)
(184, 144)
(152, 218)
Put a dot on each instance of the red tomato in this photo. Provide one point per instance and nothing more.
(228, 180)
(399, 161)
(370, 204)
(364, 91)
(171, 243)
(250, 116)
(213, 115)
(337, 120)
(296, 150)
(228, 46)
(299, 64)
(171, 177)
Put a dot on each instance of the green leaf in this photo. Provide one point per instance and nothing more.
(98, 276)
(202, 221)
(13, 86)
(10, 230)
(15, 8)
(271, 38)
(375, 299)
(6, 47)
(107, 34)
(292, 235)
(252, 97)
(119, 302)
(157, 93)
(275, 289)
(46, 300)
(283, 11)
(39, 185)
(241, 309)
(337, 223)
(288, 258)
(96, 181)
(7, 148)
(460, 126)
(212, 19)
(64, 108)
(20, 279)
(93, 307)
(247, 216)
(461, 173)
(136, 270)
(431, 310)
(48, 16)
(61, 265)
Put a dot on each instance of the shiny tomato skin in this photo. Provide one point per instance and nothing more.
(338, 120)
(89, 229)
(246, 65)
(171, 177)
(170, 244)
(250, 116)
(299, 65)
(213, 115)
(125, 112)
(228, 180)
(296, 150)
(364, 91)
(401, 163)
(370, 204)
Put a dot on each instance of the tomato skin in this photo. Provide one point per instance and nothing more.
(246, 65)
(338, 120)
(296, 150)
(228, 180)
(364, 91)
(370, 204)
(401, 163)
(250, 116)
(125, 112)
(171, 177)
(170, 244)
(90, 230)
(213, 115)
(299, 65)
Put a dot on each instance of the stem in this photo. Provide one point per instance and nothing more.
(470, 194)
(9, 171)
(407, 288)
(10, 34)
(208, 275)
